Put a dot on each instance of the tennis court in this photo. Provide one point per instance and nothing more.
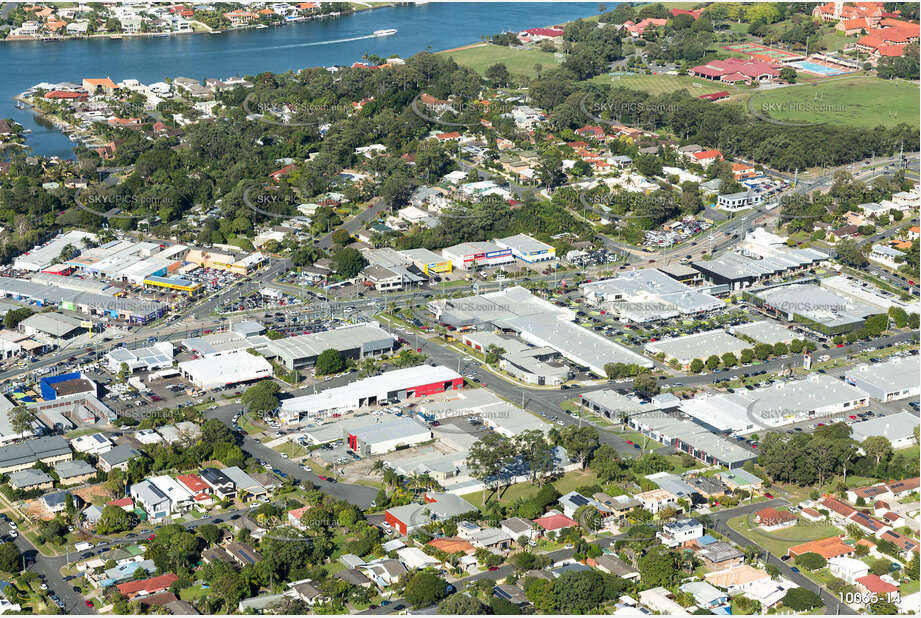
(761, 52)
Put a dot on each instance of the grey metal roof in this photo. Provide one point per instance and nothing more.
(358, 336)
(897, 426)
(55, 296)
(30, 451)
(28, 478)
(70, 469)
(119, 455)
(894, 375)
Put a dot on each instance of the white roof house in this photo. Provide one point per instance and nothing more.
(415, 558)
(233, 368)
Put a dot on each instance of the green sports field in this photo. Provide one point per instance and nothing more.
(853, 101)
(517, 61)
(662, 84)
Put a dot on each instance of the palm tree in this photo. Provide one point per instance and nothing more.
(378, 467)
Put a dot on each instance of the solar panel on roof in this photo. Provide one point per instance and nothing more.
(579, 500)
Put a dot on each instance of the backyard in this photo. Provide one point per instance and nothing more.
(779, 541)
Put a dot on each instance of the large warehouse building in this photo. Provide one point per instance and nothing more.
(399, 384)
(356, 341)
(215, 372)
(818, 308)
(894, 379)
(537, 322)
(699, 345)
(647, 295)
(472, 255)
(779, 404)
(387, 435)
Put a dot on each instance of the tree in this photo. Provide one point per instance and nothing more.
(788, 74)
(763, 350)
(328, 362)
(580, 442)
(261, 397)
(348, 262)
(850, 253)
(729, 360)
(696, 366)
(780, 348)
(123, 372)
(21, 419)
(646, 385)
(210, 533)
(424, 589)
(746, 356)
(811, 561)
(10, 558)
(801, 599)
(487, 457)
(12, 318)
(498, 74)
(462, 605)
(713, 361)
(658, 567)
(115, 519)
(341, 236)
(878, 448)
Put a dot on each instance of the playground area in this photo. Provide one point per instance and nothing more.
(756, 51)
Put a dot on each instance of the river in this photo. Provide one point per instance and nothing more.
(339, 40)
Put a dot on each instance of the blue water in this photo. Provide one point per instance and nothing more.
(819, 69)
(342, 41)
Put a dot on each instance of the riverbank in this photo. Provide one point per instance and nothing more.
(198, 27)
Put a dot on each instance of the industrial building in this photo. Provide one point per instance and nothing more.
(760, 255)
(234, 368)
(527, 249)
(815, 307)
(40, 258)
(51, 327)
(497, 414)
(400, 384)
(765, 331)
(157, 356)
(355, 341)
(898, 428)
(613, 405)
(386, 435)
(427, 261)
(896, 378)
(686, 348)
(474, 255)
(537, 322)
(530, 364)
(647, 295)
(105, 305)
(689, 437)
(744, 411)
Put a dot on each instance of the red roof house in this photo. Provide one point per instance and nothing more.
(874, 584)
(193, 483)
(555, 522)
(144, 587)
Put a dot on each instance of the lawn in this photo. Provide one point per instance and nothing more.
(517, 61)
(564, 485)
(292, 450)
(853, 101)
(779, 541)
(193, 593)
(663, 84)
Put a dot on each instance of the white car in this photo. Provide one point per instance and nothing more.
(284, 455)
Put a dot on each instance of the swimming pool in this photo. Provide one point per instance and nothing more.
(818, 69)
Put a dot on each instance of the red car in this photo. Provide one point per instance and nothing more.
(852, 417)
(151, 537)
(322, 478)
(89, 603)
(493, 568)
(839, 345)
(767, 495)
(630, 442)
